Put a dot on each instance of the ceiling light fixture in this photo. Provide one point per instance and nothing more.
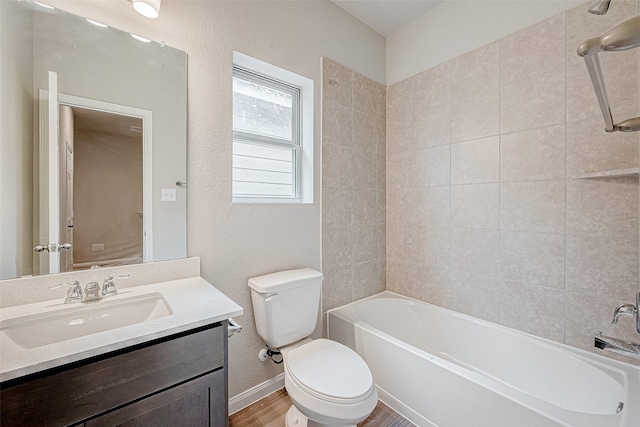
(142, 39)
(96, 23)
(148, 8)
(43, 5)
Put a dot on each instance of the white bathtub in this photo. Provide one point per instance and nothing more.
(441, 368)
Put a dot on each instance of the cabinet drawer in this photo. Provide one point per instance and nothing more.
(68, 396)
(195, 403)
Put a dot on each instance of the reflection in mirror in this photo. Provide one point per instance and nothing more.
(121, 114)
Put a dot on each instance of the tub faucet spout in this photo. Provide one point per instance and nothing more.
(626, 348)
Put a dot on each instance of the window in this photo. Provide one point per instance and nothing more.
(272, 153)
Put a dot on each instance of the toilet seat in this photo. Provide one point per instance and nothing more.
(329, 383)
(329, 371)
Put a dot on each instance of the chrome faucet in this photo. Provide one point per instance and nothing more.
(74, 294)
(626, 348)
(109, 286)
(92, 290)
(628, 310)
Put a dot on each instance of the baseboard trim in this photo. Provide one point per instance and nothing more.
(248, 397)
(402, 409)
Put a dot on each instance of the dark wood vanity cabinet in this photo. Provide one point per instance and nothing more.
(179, 380)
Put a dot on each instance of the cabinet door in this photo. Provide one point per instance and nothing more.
(197, 403)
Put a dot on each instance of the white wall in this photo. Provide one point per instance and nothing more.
(16, 145)
(457, 27)
(236, 242)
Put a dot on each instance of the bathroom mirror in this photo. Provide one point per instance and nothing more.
(113, 185)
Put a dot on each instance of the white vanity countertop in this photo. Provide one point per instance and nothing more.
(194, 303)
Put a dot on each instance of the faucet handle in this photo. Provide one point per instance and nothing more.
(74, 294)
(59, 285)
(109, 286)
(624, 310)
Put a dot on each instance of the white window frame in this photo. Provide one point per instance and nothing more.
(302, 130)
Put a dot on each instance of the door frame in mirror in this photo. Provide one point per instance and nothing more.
(147, 164)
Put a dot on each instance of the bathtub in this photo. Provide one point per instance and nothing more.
(441, 368)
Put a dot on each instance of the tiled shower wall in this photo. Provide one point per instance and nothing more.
(487, 213)
(353, 186)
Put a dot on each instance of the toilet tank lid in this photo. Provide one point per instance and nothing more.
(282, 280)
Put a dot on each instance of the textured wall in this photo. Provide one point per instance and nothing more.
(353, 185)
(486, 211)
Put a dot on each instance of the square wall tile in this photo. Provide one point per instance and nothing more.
(605, 266)
(534, 309)
(400, 134)
(475, 295)
(405, 206)
(435, 166)
(404, 169)
(475, 114)
(337, 287)
(364, 206)
(336, 206)
(367, 279)
(404, 276)
(475, 206)
(475, 251)
(368, 243)
(431, 123)
(591, 149)
(399, 99)
(537, 49)
(431, 282)
(336, 247)
(475, 162)
(337, 165)
(533, 258)
(533, 206)
(367, 134)
(366, 98)
(336, 124)
(336, 83)
(432, 85)
(476, 71)
(602, 206)
(436, 207)
(533, 103)
(531, 155)
(364, 169)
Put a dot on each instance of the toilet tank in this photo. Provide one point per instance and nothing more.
(285, 305)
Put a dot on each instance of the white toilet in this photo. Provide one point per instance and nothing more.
(329, 384)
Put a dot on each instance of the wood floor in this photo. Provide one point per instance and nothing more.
(270, 411)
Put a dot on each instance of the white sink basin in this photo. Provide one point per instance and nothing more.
(88, 318)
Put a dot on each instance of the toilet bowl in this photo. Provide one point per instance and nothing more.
(328, 383)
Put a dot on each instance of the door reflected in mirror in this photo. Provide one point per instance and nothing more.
(109, 205)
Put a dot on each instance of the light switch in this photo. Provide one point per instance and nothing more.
(168, 195)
